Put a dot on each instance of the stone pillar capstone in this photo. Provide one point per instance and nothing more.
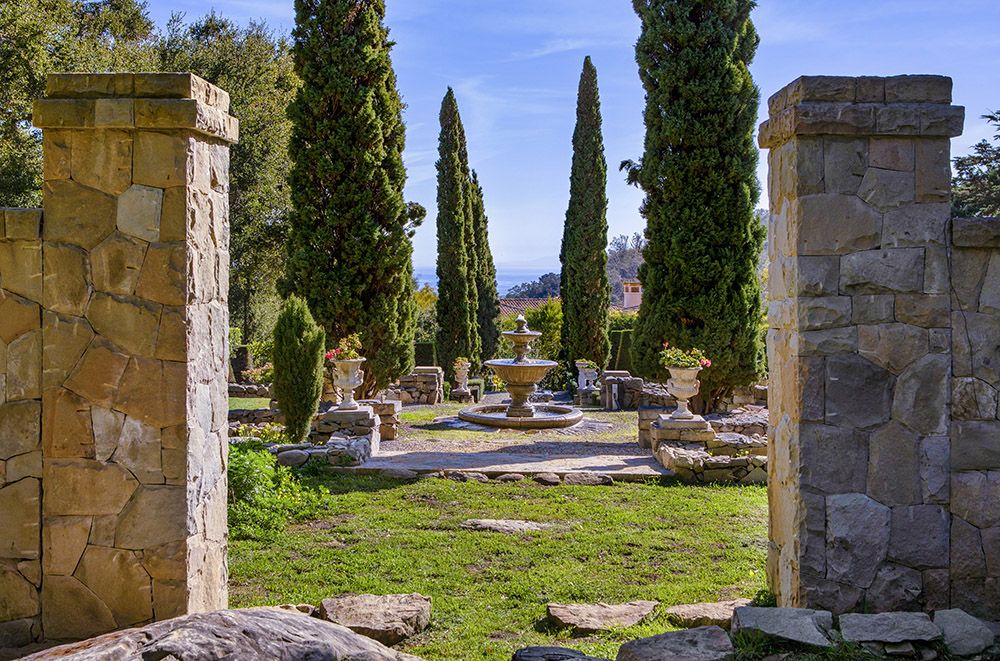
(129, 307)
(859, 345)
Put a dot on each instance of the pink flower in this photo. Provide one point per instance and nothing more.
(705, 362)
(329, 355)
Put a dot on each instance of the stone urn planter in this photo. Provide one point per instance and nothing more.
(683, 385)
(461, 380)
(347, 376)
(585, 380)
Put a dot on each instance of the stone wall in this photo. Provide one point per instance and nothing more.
(424, 386)
(878, 499)
(113, 347)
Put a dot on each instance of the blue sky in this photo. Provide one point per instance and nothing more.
(515, 64)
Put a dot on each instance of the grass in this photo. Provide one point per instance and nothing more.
(249, 403)
(674, 544)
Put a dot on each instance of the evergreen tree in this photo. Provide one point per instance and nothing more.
(584, 289)
(349, 249)
(455, 328)
(298, 366)
(699, 174)
(471, 249)
(486, 281)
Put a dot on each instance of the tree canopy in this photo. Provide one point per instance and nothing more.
(976, 187)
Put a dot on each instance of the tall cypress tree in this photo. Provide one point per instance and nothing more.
(349, 249)
(471, 250)
(698, 171)
(586, 295)
(455, 324)
(486, 281)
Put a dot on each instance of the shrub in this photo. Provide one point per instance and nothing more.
(262, 350)
(262, 375)
(235, 340)
(298, 366)
(619, 320)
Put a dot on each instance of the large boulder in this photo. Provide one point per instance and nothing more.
(700, 644)
(388, 618)
(719, 613)
(253, 633)
(593, 618)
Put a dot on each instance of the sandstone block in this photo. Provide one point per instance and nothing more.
(139, 451)
(24, 367)
(857, 537)
(156, 515)
(19, 519)
(887, 189)
(64, 341)
(845, 160)
(63, 539)
(66, 426)
(163, 160)
(102, 160)
(118, 579)
(115, 264)
(976, 233)
(71, 611)
(892, 270)
(916, 225)
(719, 613)
(17, 316)
(76, 214)
(937, 270)
(892, 153)
(139, 212)
(23, 224)
(128, 322)
(20, 596)
(86, 487)
(164, 274)
(21, 424)
(919, 88)
(933, 169)
(595, 618)
(24, 465)
(21, 265)
(989, 298)
(388, 619)
(98, 374)
(171, 340)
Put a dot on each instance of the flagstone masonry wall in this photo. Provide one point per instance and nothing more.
(884, 459)
(113, 331)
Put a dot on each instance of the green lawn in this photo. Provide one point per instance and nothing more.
(675, 544)
(249, 403)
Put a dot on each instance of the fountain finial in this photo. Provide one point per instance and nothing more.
(522, 324)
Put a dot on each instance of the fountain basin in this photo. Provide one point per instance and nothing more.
(521, 373)
(546, 416)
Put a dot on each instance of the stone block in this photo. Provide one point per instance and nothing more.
(976, 346)
(56, 155)
(933, 170)
(139, 450)
(935, 470)
(20, 596)
(937, 270)
(21, 265)
(821, 312)
(915, 225)
(892, 270)
(857, 536)
(115, 264)
(86, 487)
(21, 423)
(71, 611)
(23, 224)
(975, 497)
(24, 367)
(976, 232)
(139, 212)
(925, 310)
(845, 161)
(834, 460)
(895, 588)
(989, 297)
(920, 88)
(102, 160)
(975, 445)
(155, 515)
(163, 278)
(20, 504)
(817, 276)
(887, 189)
(17, 317)
(922, 393)
(64, 341)
(812, 377)
(968, 561)
(968, 268)
(98, 374)
(892, 346)
(76, 214)
(117, 577)
(828, 342)
(888, 627)
(836, 225)
(894, 466)
(163, 160)
(891, 153)
(129, 322)
(24, 465)
(66, 426)
(919, 537)
(66, 281)
(858, 392)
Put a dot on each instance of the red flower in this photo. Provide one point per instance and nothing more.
(705, 362)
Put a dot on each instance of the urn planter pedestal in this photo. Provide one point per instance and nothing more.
(347, 376)
(586, 390)
(461, 392)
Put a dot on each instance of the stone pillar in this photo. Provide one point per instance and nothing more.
(859, 343)
(133, 332)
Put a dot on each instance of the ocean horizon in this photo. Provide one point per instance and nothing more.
(507, 277)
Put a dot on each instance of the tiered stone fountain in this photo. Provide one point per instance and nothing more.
(522, 374)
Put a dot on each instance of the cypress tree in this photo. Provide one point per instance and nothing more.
(349, 248)
(486, 281)
(586, 295)
(455, 327)
(698, 171)
(471, 249)
(298, 366)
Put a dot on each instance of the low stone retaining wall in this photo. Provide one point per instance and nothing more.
(333, 424)
(249, 390)
(254, 417)
(724, 448)
(388, 412)
(335, 451)
(424, 386)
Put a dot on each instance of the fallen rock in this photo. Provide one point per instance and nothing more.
(588, 479)
(305, 609)
(964, 635)
(719, 613)
(510, 477)
(899, 649)
(699, 644)
(551, 654)
(548, 479)
(466, 476)
(388, 618)
(252, 633)
(506, 526)
(592, 618)
(292, 458)
(888, 627)
(798, 625)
